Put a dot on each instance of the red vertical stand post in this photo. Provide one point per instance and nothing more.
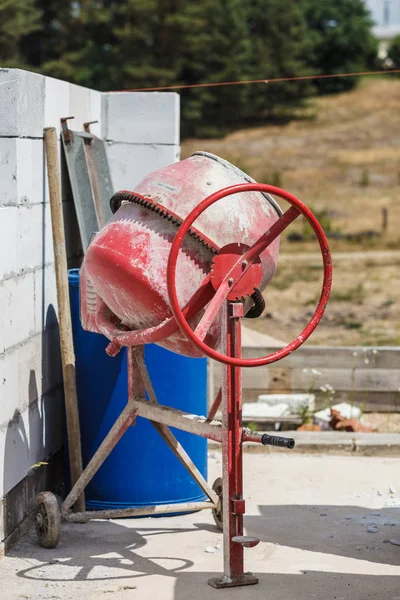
(233, 504)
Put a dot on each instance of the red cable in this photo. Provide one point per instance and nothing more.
(276, 80)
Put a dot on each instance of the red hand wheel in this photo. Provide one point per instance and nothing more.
(237, 270)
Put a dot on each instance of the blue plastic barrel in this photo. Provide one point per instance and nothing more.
(141, 470)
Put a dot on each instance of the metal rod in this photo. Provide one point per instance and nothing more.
(168, 436)
(214, 409)
(144, 511)
(64, 311)
(232, 447)
(179, 419)
(114, 435)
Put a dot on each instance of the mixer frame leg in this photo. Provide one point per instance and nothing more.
(233, 504)
(145, 384)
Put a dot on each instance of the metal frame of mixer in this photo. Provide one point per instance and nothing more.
(235, 267)
(226, 496)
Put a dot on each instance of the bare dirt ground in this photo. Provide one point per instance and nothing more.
(343, 161)
(311, 513)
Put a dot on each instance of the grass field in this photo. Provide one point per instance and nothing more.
(343, 160)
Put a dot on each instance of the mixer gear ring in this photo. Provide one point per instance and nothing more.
(146, 202)
(166, 213)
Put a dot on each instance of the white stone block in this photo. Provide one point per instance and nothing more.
(21, 103)
(30, 237)
(45, 297)
(57, 102)
(95, 112)
(85, 105)
(130, 163)
(26, 237)
(29, 438)
(17, 311)
(142, 117)
(21, 171)
(30, 370)
(8, 237)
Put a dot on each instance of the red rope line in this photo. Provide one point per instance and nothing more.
(251, 81)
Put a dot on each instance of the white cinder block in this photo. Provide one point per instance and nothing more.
(21, 171)
(30, 238)
(130, 163)
(142, 117)
(47, 236)
(30, 371)
(16, 311)
(30, 171)
(21, 103)
(85, 105)
(8, 237)
(95, 113)
(8, 171)
(8, 385)
(57, 102)
(45, 298)
(26, 235)
(28, 438)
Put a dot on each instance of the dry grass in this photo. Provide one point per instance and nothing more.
(344, 162)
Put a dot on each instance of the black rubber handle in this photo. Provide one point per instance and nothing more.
(276, 440)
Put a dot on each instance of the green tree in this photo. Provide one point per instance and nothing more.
(215, 48)
(279, 48)
(17, 19)
(394, 52)
(341, 39)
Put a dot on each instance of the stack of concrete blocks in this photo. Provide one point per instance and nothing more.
(142, 133)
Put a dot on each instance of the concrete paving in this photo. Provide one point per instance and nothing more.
(312, 514)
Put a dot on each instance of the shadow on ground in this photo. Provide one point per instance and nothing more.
(310, 586)
(108, 552)
(126, 554)
(338, 530)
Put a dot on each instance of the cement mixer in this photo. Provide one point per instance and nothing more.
(185, 257)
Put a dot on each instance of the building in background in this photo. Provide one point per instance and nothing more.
(386, 16)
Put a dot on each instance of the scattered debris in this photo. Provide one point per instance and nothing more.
(341, 423)
(309, 427)
(392, 489)
(394, 542)
(372, 529)
(323, 514)
(295, 402)
(210, 549)
(260, 409)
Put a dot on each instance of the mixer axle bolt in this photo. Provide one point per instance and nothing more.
(244, 264)
(230, 281)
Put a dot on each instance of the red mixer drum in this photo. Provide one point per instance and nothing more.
(127, 260)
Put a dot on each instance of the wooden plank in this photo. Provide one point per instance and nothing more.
(361, 380)
(334, 357)
(368, 402)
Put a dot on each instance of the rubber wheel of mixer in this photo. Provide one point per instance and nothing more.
(47, 520)
(218, 512)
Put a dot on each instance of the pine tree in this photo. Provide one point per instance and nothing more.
(17, 19)
(279, 48)
(342, 41)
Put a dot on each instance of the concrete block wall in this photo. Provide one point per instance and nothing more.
(142, 131)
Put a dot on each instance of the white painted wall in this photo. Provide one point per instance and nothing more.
(142, 131)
